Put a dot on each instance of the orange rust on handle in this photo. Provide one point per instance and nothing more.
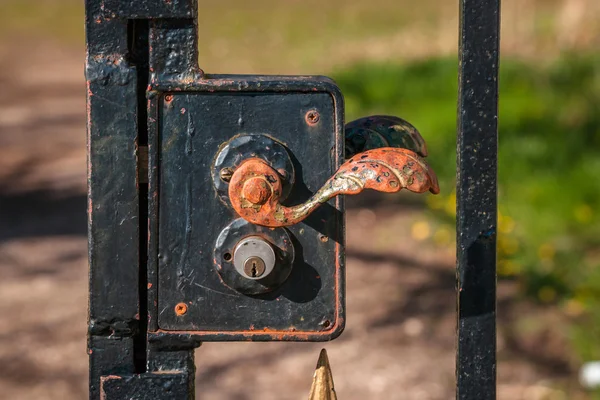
(255, 187)
(257, 190)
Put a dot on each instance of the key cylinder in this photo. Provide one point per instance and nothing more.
(254, 258)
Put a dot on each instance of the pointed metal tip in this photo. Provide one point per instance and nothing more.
(323, 360)
(322, 386)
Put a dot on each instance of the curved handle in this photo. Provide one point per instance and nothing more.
(255, 187)
(378, 131)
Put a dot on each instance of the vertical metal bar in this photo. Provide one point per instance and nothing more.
(477, 149)
(113, 231)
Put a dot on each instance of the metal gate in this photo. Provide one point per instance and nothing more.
(186, 172)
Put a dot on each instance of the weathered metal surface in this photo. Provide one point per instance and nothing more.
(322, 387)
(255, 187)
(170, 385)
(113, 78)
(173, 45)
(376, 131)
(117, 73)
(477, 199)
(149, 9)
(188, 129)
(112, 179)
(109, 356)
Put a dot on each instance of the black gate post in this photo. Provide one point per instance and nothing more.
(113, 198)
(477, 198)
(120, 66)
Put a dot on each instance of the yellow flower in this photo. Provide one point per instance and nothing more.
(507, 245)
(505, 224)
(574, 308)
(546, 252)
(435, 202)
(420, 230)
(583, 214)
(508, 267)
(451, 204)
(442, 236)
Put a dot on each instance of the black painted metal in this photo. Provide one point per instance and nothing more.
(122, 358)
(113, 197)
(476, 199)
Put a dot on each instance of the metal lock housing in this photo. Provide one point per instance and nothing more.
(196, 132)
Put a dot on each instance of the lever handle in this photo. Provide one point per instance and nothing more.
(378, 131)
(255, 188)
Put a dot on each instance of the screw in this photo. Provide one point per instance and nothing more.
(168, 98)
(323, 238)
(283, 173)
(226, 174)
(254, 267)
(180, 309)
(312, 117)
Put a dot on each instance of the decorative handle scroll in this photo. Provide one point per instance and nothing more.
(376, 131)
(255, 188)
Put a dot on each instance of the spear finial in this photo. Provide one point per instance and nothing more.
(322, 386)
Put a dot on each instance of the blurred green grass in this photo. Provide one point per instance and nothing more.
(549, 168)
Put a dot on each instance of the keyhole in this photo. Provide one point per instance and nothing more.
(254, 267)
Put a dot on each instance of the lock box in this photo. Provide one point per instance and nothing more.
(205, 277)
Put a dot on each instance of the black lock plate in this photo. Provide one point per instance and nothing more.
(187, 127)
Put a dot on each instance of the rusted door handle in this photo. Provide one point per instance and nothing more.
(255, 188)
(376, 131)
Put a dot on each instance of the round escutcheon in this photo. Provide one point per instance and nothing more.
(242, 147)
(253, 259)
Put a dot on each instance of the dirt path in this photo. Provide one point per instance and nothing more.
(399, 341)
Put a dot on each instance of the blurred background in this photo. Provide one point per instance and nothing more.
(396, 57)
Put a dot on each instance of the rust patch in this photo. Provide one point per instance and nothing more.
(257, 190)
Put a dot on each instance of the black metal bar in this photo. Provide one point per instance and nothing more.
(139, 53)
(113, 229)
(118, 74)
(477, 199)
